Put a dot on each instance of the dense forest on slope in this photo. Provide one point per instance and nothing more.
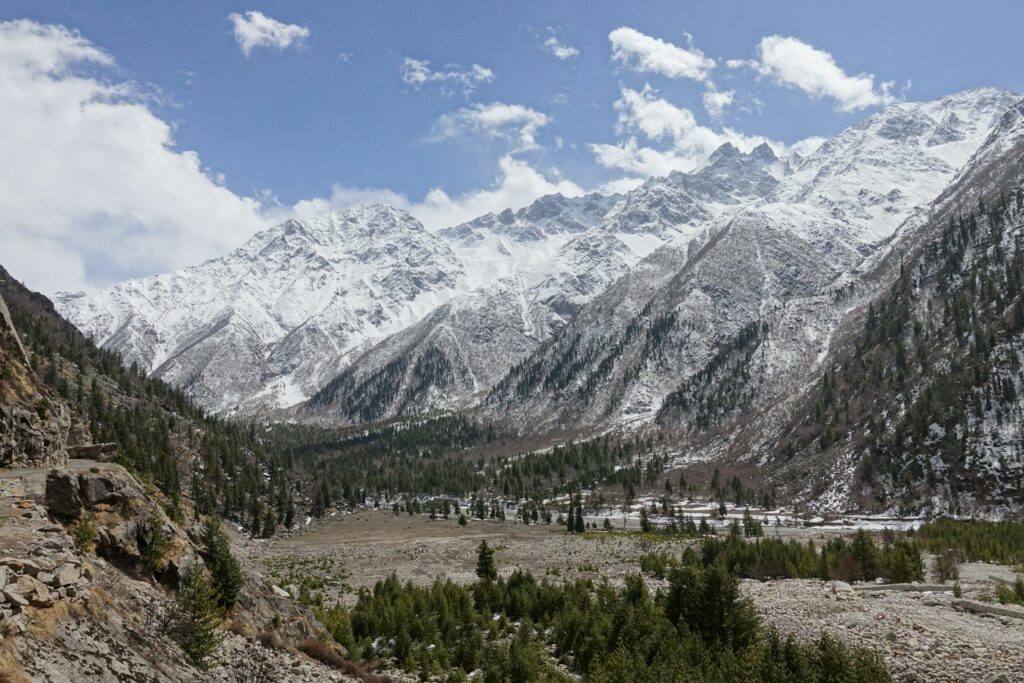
(160, 435)
(927, 398)
(458, 457)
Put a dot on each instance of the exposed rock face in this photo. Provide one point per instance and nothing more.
(66, 614)
(30, 440)
(34, 422)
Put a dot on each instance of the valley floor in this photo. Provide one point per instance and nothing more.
(922, 635)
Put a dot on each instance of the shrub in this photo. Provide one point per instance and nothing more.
(84, 536)
(1013, 593)
(152, 543)
(947, 565)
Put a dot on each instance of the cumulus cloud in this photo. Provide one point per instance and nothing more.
(495, 120)
(716, 101)
(793, 63)
(652, 55)
(255, 29)
(687, 143)
(516, 185)
(559, 49)
(94, 189)
(451, 79)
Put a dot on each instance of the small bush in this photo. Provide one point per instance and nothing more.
(1013, 593)
(947, 565)
(84, 536)
(152, 543)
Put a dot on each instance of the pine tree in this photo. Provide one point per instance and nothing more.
(194, 626)
(224, 568)
(485, 568)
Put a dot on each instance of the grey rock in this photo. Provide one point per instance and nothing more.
(67, 575)
(15, 598)
(98, 488)
(62, 495)
(21, 565)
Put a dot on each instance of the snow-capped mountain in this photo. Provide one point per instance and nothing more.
(776, 275)
(563, 253)
(523, 312)
(272, 321)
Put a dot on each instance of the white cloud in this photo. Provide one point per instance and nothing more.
(517, 185)
(646, 54)
(716, 101)
(793, 63)
(255, 29)
(741, 64)
(807, 145)
(688, 143)
(417, 73)
(93, 189)
(621, 185)
(559, 49)
(495, 120)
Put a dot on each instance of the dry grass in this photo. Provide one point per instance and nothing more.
(272, 640)
(10, 668)
(329, 655)
(43, 622)
(243, 628)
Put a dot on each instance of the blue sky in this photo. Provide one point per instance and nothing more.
(329, 105)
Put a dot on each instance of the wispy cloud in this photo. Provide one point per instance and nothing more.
(255, 29)
(451, 79)
(496, 120)
(517, 185)
(559, 49)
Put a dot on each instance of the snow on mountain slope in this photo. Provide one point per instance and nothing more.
(775, 276)
(558, 264)
(406, 320)
(272, 321)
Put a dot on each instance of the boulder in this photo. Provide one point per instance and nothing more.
(98, 488)
(62, 495)
(41, 596)
(67, 575)
(15, 598)
(20, 565)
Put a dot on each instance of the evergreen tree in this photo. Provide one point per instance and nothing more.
(485, 568)
(194, 626)
(224, 568)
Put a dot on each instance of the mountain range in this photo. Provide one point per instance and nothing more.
(715, 305)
